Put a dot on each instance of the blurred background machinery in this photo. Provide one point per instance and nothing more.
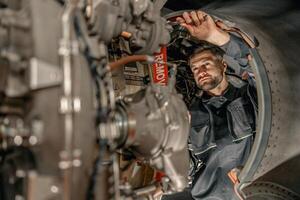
(63, 133)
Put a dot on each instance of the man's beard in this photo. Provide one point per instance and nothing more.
(212, 83)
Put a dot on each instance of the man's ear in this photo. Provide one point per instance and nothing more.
(224, 65)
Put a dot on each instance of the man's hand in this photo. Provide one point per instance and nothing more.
(202, 26)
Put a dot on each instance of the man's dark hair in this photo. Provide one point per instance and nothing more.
(198, 47)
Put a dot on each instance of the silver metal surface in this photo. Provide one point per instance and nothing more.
(66, 101)
(52, 74)
(161, 124)
(139, 6)
(43, 75)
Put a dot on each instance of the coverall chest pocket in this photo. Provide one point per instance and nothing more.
(241, 118)
(200, 131)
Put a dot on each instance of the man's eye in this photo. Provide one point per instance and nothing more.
(195, 68)
(205, 65)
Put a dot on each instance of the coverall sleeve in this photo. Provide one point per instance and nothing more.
(236, 56)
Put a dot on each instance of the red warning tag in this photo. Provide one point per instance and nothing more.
(160, 70)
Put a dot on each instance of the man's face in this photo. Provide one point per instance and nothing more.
(207, 70)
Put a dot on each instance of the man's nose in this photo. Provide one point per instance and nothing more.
(202, 74)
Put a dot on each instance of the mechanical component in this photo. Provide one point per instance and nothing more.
(268, 191)
(152, 124)
(14, 133)
(15, 162)
(64, 93)
(146, 28)
(43, 74)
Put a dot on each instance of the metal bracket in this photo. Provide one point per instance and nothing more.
(43, 74)
(68, 48)
(68, 161)
(69, 105)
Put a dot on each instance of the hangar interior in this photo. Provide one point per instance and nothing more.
(93, 97)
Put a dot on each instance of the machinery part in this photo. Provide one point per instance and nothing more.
(107, 127)
(43, 75)
(56, 98)
(147, 29)
(13, 132)
(152, 124)
(59, 150)
(268, 191)
(16, 21)
(66, 103)
(14, 165)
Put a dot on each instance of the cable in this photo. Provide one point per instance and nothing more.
(128, 59)
(94, 64)
(90, 195)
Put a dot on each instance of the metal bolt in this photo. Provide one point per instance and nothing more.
(77, 104)
(76, 163)
(18, 140)
(64, 164)
(54, 189)
(20, 173)
(6, 121)
(33, 140)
